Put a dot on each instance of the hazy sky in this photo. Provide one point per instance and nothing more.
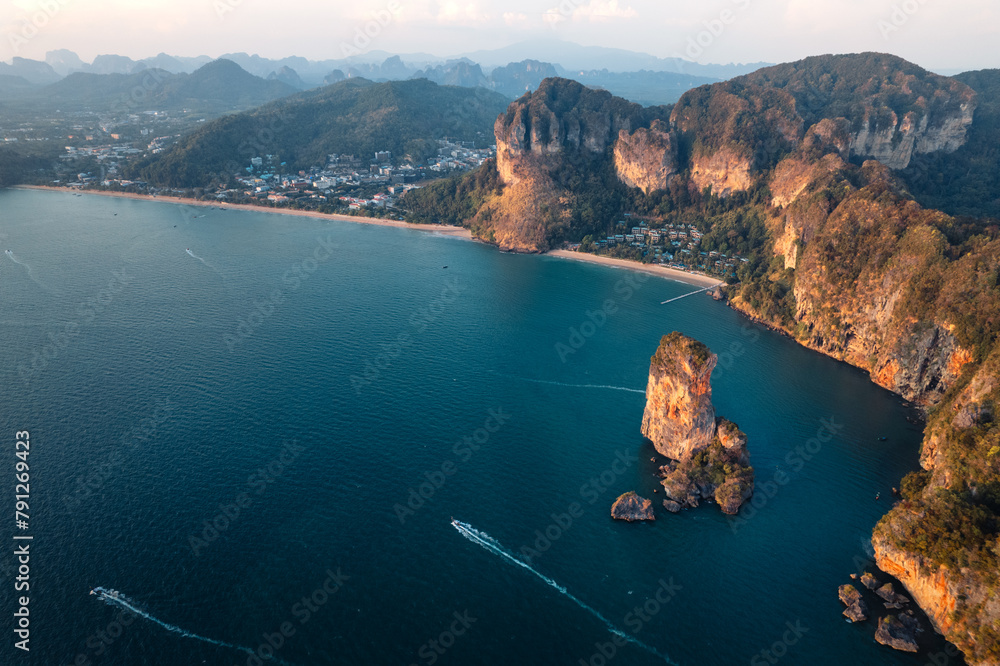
(957, 34)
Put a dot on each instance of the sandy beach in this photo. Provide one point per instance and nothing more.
(695, 279)
(441, 229)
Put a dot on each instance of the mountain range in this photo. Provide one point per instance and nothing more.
(510, 71)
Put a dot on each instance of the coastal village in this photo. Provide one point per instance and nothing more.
(674, 245)
(372, 187)
(353, 182)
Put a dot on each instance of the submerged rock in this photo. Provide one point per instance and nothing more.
(631, 507)
(671, 506)
(892, 632)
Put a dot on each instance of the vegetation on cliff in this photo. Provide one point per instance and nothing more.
(840, 254)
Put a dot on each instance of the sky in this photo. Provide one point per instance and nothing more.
(939, 35)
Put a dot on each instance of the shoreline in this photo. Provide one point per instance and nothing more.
(441, 229)
(693, 279)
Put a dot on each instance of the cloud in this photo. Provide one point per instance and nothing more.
(595, 11)
(515, 19)
(461, 13)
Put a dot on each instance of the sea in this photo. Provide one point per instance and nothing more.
(257, 438)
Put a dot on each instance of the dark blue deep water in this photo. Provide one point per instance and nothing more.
(314, 374)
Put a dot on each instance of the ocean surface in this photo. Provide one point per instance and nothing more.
(257, 429)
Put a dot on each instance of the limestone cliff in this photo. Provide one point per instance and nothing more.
(679, 417)
(894, 109)
(861, 258)
(646, 159)
(709, 458)
(548, 137)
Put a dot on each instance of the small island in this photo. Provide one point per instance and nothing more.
(708, 455)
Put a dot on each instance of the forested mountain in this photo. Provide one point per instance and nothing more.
(351, 117)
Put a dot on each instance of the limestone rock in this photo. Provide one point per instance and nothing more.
(869, 581)
(679, 417)
(630, 507)
(892, 632)
(646, 159)
(671, 506)
(848, 594)
(710, 458)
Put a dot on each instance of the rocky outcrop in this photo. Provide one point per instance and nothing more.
(630, 507)
(894, 109)
(722, 172)
(856, 610)
(647, 158)
(679, 417)
(895, 143)
(563, 123)
(892, 632)
(709, 458)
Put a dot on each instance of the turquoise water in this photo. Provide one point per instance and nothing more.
(295, 381)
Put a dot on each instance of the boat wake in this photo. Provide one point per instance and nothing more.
(115, 598)
(206, 263)
(31, 272)
(590, 386)
(489, 543)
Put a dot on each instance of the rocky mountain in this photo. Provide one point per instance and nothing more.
(34, 71)
(288, 76)
(541, 139)
(966, 182)
(810, 170)
(709, 458)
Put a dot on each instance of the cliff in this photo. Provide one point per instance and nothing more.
(679, 418)
(895, 108)
(709, 458)
(834, 250)
(646, 159)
